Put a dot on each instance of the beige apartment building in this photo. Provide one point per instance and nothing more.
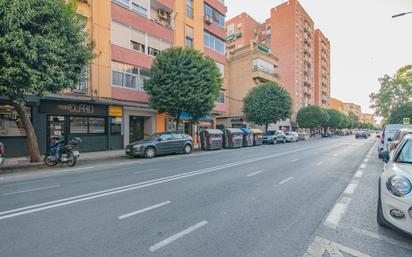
(248, 66)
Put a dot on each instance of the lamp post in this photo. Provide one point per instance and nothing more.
(400, 14)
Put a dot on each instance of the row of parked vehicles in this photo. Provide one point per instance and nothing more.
(395, 183)
(210, 139)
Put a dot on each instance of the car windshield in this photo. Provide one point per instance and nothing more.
(405, 154)
(152, 137)
(270, 133)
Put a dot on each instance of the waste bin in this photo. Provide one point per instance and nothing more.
(247, 137)
(233, 138)
(211, 139)
(257, 136)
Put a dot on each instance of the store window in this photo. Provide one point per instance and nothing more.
(96, 125)
(10, 122)
(78, 125)
(87, 125)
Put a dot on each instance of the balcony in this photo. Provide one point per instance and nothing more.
(265, 74)
(307, 90)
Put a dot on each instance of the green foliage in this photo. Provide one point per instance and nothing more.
(394, 91)
(400, 112)
(183, 80)
(267, 103)
(345, 122)
(335, 118)
(353, 120)
(312, 117)
(42, 47)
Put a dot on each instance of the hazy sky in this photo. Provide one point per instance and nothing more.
(366, 42)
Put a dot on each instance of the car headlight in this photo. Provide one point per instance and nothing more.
(399, 185)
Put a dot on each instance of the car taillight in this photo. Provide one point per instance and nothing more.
(210, 140)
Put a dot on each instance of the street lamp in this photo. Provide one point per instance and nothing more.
(400, 14)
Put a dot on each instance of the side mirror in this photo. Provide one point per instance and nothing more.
(384, 155)
(390, 139)
(159, 139)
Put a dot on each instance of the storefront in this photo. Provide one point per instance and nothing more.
(139, 122)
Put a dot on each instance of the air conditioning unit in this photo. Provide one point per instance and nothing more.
(208, 19)
(163, 14)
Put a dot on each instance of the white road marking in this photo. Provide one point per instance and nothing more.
(294, 160)
(335, 155)
(173, 238)
(81, 168)
(30, 190)
(363, 165)
(322, 247)
(85, 197)
(319, 163)
(366, 160)
(143, 210)
(350, 189)
(359, 174)
(125, 163)
(140, 171)
(27, 182)
(337, 212)
(286, 180)
(254, 173)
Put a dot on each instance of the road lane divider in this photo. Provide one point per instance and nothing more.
(173, 238)
(27, 182)
(94, 195)
(254, 173)
(127, 215)
(142, 171)
(30, 190)
(286, 180)
(350, 189)
(294, 160)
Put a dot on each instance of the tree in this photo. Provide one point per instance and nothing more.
(353, 120)
(335, 118)
(311, 117)
(42, 50)
(267, 103)
(403, 111)
(183, 80)
(345, 123)
(394, 91)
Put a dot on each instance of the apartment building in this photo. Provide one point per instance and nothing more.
(336, 104)
(354, 108)
(248, 66)
(240, 30)
(322, 69)
(367, 118)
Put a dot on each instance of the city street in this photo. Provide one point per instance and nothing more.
(274, 200)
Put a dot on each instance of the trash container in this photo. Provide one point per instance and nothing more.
(233, 138)
(211, 139)
(247, 137)
(257, 136)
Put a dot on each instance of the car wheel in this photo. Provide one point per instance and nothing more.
(150, 152)
(275, 141)
(379, 217)
(284, 140)
(187, 149)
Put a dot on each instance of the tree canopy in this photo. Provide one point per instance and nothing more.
(267, 103)
(42, 50)
(183, 80)
(311, 117)
(400, 112)
(335, 118)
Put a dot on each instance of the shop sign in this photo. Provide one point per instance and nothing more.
(67, 108)
(115, 111)
(406, 121)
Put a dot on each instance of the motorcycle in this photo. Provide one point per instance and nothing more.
(2, 154)
(62, 153)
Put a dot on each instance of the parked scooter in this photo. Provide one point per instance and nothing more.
(2, 154)
(62, 153)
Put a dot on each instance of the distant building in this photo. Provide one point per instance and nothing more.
(367, 118)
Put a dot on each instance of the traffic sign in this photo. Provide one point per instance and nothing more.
(406, 121)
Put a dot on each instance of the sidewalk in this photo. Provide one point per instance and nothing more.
(21, 163)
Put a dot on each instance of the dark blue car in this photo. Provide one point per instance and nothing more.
(161, 143)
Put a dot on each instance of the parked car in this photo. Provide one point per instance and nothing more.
(394, 141)
(388, 132)
(361, 134)
(161, 143)
(2, 154)
(326, 134)
(292, 136)
(274, 137)
(395, 188)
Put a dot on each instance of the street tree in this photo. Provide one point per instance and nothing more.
(335, 118)
(345, 122)
(353, 120)
(401, 112)
(42, 51)
(267, 103)
(311, 117)
(183, 80)
(394, 91)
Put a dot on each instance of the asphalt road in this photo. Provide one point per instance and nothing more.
(273, 200)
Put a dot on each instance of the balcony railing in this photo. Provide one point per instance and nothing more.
(265, 70)
(189, 11)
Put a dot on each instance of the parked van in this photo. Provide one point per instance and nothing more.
(389, 131)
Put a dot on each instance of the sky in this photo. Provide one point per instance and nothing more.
(366, 42)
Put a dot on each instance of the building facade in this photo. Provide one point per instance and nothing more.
(336, 104)
(367, 118)
(322, 69)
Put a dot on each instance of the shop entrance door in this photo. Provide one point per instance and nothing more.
(136, 128)
(56, 127)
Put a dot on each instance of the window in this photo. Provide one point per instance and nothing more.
(153, 51)
(137, 46)
(78, 125)
(189, 42)
(10, 122)
(405, 155)
(221, 97)
(177, 136)
(82, 86)
(139, 8)
(217, 17)
(188, 36)
(96, 125)
(125, 75)
(166, 137)
(116, 126)
(123, 2)
(213, 42)
(221, 68)
(189, 8)
(231, 29)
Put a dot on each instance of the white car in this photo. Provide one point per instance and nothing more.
(388, 132)
(292, 136)
(395, 188)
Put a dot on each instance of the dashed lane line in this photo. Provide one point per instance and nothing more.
(127, 215)
(30, 190)
(334, 217)
(350, 189)
(286, 180)
(254, 173)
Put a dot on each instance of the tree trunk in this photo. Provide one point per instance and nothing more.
(31, 135)
(266, 126)
(177, 119)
